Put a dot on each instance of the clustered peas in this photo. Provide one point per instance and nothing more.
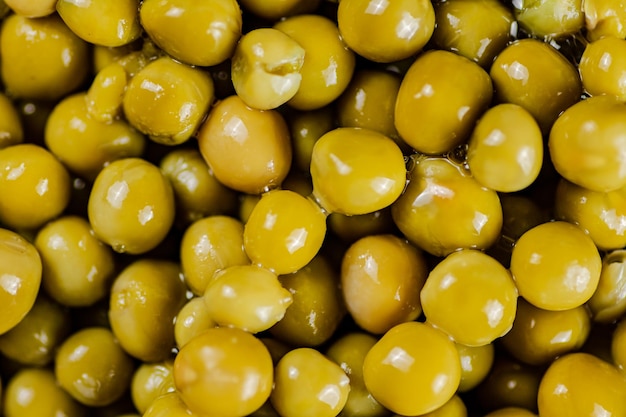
(312, 208)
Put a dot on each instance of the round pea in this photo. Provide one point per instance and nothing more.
(35, 392)
(36, 8)
(556, 266)
(36, 182)
(353, 183)
(369, 101)
(168, 100)
(381, 280)
(197, 192)
(603, 67)
(101, 22)
(34, 340)
(84, 144)
(209, 245)
(197, 33)
(150, 381)
(317, 308)
(482, 291)
(247, 149)
(475, 29)
(284, 231)
(476, 363)
(539, 336)
(328, 63)
(534, 75)
(412, 358)
(552, 19)
(77, 268)
(92, 367)
(600, 214)
(224, 371)
(20, 279)
(608, 302)
(192, 319)
(386, 31)
(61, 57)
(440, 98)
(349, 352)
(11, 130)
(309, 384)
(443, 208)
(248, 297)
(505, 150)
(145, 290)
(592, 386)
(596, 164)
(131, 205)
(509, 384)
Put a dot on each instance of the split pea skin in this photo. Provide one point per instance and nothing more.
(277, 208)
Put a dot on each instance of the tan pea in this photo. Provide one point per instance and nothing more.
(248, 150)
(381, 280)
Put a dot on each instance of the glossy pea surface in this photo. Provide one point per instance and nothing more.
(582, 383)
(36, 184)
(92, 367)
(595, 165)
(505, 150)
(168, 100)
(534, 75)
(102, 23)
(475, 29)
(208, 245)
(317, 308)
(131, 205)
(608, 302)
(328, 63)
(479, 316)
(180, 26)
(20, 280)
(248, 297)
(443, 208)
(308, 384)
(284, 231)
(145, 289)
(538, 336)
(556, 266)
(381, 279)
(225, 372)
(386, 31)
(247, 149)
(77, 267)
(412, 357)
(603, 67)
(84, 144)
(350, 183)
(440, 98)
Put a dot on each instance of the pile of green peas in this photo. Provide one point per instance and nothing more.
(295, 208)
